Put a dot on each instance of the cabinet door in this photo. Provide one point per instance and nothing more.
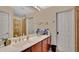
(45, 45)
(37, 47)
(49, 42)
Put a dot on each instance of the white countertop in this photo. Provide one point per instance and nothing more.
(20, 46)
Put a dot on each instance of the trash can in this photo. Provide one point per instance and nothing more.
(53, 47)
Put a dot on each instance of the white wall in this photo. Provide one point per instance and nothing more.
(48, 15)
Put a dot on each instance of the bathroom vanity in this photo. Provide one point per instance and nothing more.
(41, 46)
(33, 44)
(17, 29)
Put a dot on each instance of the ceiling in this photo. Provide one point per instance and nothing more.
(25, 10)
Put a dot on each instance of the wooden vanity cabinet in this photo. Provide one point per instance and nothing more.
(45, 45)
(49, 42)
(42, 46)
(37, 47)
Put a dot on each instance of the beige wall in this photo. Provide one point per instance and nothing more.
(48, 15)
(8, 10)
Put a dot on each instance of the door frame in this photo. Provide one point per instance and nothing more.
(73, 9)
(76, 28)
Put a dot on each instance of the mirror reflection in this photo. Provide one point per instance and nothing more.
(19, 26)
(17, 23)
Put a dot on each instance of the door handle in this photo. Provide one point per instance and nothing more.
(57, 33)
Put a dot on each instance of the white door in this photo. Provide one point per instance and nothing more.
(66, 32)
(4, 25)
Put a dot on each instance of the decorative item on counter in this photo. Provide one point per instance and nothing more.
(42, 31)
(37, 31)
(45, 32)
(7, 42)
